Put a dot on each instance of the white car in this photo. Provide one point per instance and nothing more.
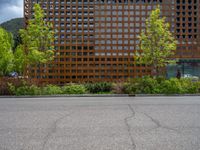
(189, 76)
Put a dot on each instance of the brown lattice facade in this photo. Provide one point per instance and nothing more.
(97, 39)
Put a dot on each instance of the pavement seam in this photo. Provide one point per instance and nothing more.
(52, 129)
(129, 127)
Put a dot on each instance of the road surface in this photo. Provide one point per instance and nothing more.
(100, 123)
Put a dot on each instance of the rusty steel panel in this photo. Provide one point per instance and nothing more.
(97, 40)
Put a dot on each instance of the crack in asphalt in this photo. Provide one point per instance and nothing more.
(158, 124)
(129, 127)
(52, 130)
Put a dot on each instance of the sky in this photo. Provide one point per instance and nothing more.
(10, 9)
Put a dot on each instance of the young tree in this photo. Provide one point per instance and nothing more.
(6, 55)
(157, 43)
(37, 40)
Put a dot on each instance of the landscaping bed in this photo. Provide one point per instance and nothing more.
(138, 86)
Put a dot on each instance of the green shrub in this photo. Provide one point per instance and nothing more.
(189, 87)
(179, 86)
(144, 85)
(130, 87)
(149, 85)
(11, 88)
(74, 89)
(25, 90)
(171, 86)
(160, 79)
(51, 90)
(198, 85)
(118, 88)
(99, 87)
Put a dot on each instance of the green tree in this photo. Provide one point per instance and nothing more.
(157, 43)
(13, 26)
(19, 56)
(37, 39)
(6, 55)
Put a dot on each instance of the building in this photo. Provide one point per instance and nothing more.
(97, 39)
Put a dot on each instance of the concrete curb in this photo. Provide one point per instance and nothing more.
(160, 95)
(72, 95)
(100, 95)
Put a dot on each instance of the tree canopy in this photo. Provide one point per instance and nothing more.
(6, 54)
(13, 26)
(19, 56)
(37, 39)
(157, 43)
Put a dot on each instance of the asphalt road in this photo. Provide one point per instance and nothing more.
(123, 123)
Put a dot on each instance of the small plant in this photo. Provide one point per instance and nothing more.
(11, 88)
(25, 90)
(171, 86)
(130, 87)
(74, 89)
(99, 87)
(118, 88)
(149, 85)
(189, 87)
(146, 85)
(51, 90)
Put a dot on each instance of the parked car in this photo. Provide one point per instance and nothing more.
(189, 76)
(13, 74)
